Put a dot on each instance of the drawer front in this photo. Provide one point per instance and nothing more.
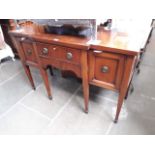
(44, 50)
(60, 53)
(106, 69)
(67, 54)
(29, 51)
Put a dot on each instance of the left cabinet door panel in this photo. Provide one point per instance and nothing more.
(29, 51)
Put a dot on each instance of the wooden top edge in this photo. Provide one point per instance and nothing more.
(111, 41)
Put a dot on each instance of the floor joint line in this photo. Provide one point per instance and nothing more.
(61, 110)
(35, 111)
(11, 77)
(18, 102)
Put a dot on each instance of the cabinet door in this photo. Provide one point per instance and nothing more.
(106, 69)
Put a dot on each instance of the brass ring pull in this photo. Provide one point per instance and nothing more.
(29, 51)
(104, 69)
(69, 56)
(45, 51)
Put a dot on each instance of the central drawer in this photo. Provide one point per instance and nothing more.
(60, 53)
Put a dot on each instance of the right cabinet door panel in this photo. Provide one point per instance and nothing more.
(106, 69)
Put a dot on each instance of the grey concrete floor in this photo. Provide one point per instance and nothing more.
(25, 111)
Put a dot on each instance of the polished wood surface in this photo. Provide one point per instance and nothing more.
(108, 61)
(108, 40)
(106, 69)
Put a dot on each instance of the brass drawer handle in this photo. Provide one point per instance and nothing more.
(104, 69)
(69, 55)
(45, 51)
(54, 48)
(29, 51)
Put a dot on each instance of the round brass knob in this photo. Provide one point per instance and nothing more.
(69, 55)
(29, 51)
(104, 69)
(45, 51)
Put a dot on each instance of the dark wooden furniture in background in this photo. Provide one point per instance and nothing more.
(2, 43)
(108, 62)
(6, 26)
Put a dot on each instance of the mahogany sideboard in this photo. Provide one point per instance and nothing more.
(108, 62)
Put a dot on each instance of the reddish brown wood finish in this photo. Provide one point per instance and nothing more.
(43, 72)
(18, 46)
(129, 65)
(85, 81)
(28, 73)
(88, 60)
(59, 53)
(113, 62)
(28, 51)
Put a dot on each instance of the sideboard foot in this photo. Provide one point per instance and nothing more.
(50, 97)
(46, 82)
(115, 121)
(86, 111)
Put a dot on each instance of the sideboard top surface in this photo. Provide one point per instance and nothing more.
(125, 42)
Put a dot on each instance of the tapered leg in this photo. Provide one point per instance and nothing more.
(119, 106)
(86, 94)
(85, 82)
(43, 72)
(46, 82)
(28, 73)
(23, 59)
(125, 84)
